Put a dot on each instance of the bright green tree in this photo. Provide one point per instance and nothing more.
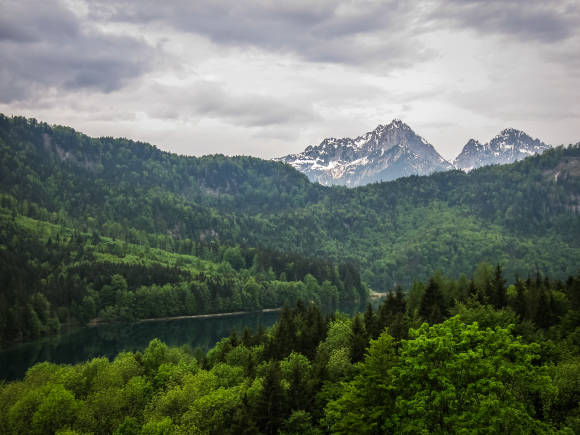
(457, 378)
(366, 401)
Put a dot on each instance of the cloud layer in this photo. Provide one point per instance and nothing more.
(323, 31)
(46, 46)
(269, 78)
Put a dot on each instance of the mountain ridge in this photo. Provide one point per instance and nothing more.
(519, 215)
(394, 150)
(388, 152)
(508, 146)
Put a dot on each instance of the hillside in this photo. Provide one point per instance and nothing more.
(50, 274)
(523, 215)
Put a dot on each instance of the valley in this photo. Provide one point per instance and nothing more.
(113, 232)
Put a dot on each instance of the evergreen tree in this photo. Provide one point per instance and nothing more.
(315, 331)
(371, 324)
(544, 310)
(400, 300)
(433, 308)
(499, 291)
(359, 339)
(520, 302)
(270, 410)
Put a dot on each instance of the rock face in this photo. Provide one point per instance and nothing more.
(386, 153)
(507, 147)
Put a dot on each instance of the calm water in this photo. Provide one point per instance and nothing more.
(108, 340)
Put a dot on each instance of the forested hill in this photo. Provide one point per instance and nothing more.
(524, 215)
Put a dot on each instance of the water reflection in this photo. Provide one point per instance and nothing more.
(108, 340)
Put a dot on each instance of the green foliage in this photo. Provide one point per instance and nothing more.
(488, 382)
(271, 405)
(519, 215)
(300, 422)
(110, 229)
(56, 411)
(78, 279)
(472, 372)
(433, 308)
(365, 402)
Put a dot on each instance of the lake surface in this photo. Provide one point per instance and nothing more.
(82, 344)
(108, 340)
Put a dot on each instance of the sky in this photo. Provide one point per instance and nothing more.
(267, 78)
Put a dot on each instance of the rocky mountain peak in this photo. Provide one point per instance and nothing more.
(394, 150)
(506, 147)
(389, 151)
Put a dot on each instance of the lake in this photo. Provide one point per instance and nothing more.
(108, 340)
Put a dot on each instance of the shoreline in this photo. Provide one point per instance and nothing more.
(209, 316)
(377, 295)
(95, 322)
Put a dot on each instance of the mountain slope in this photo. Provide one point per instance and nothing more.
(386, 153)
(508, 146)
(521, 215)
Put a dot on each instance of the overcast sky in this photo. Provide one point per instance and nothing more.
(268, 78)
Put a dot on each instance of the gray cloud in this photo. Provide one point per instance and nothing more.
(364, 32)
(211, 100)
(44, 45)
(248, 75)
(536, 20)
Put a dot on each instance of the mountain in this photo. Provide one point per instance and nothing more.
(507, 147)
(388, 152)
(120, 230)
(523, 215)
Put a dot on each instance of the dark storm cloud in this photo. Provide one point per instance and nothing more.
(44, 45)
(537, 20)
(322, 31)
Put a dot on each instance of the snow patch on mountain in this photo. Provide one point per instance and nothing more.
(388, 152)
(507, 147)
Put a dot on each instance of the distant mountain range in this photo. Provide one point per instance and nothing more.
(394, 150)
(507, 147)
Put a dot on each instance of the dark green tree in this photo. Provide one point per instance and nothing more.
(433, 308)
(359, 339)
(499, 291)
(271, 407)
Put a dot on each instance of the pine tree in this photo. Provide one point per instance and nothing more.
(400, 301)
(371, 325)
(359, 340)
(432, 308)
(543, 312)
(270, 410)
(386, 311)
(498, 288)
(520, 303)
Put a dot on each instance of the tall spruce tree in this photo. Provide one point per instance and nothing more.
(433, 308)
(359, 339)
(499, 295)
(271, 410)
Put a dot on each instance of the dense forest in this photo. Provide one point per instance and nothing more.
(479, 332)
(523, 215)
(50, 275)
(468, 355)
(112, 229)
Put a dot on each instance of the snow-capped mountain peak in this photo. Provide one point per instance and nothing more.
(507, 147)
(389, 151)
